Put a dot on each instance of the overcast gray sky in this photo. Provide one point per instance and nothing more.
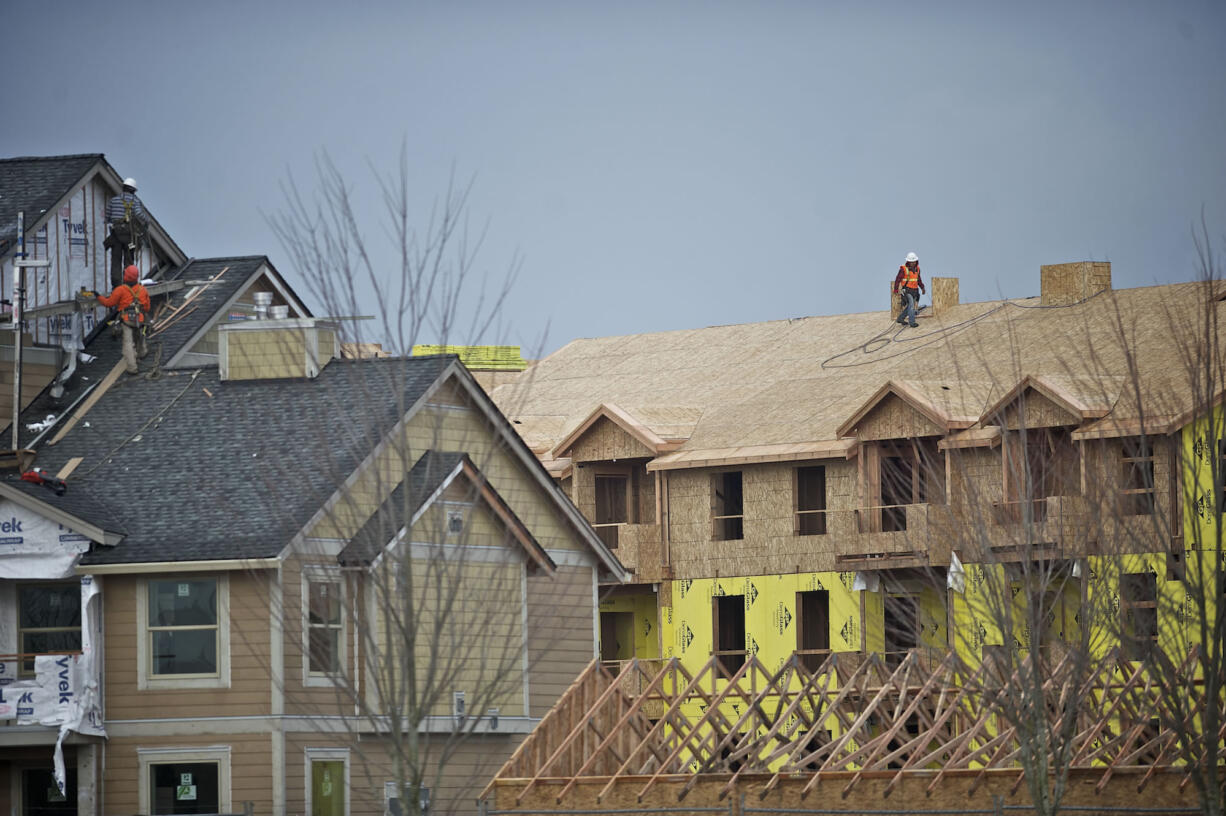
(664, 165)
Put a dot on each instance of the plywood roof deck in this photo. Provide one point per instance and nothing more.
(797, 381)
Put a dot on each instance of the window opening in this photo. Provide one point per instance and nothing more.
(1042, 462)
(49, 621)
(1137, 493)
(727, 507)
(184, 787)
(1139, 614)
(611, 507)
(183, 627)
(811, 500)
(324, 626)
(812, 628)
(901, 627)
(40, 796)
(729, 619)
(616, 636)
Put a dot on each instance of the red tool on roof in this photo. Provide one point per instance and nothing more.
(37, 477)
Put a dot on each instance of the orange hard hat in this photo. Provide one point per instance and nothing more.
(131, 274)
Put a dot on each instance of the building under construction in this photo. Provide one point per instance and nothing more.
(853, 542)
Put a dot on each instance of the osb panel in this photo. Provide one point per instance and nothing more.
(894, 418)
(1065, 284)
(1033, 410)
(605, 441)
(944, 294)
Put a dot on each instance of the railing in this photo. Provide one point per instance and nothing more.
(608, 533)
(1017, 512)
(20, 659)
(883, 518)
(811, 522)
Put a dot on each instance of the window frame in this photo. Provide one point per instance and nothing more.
(1130, 643)
(323, 574)
(145, 678)
(812, 657)
(313, 755)
(21, 586)
(148, 757)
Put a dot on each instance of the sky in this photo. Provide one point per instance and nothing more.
(650, 166)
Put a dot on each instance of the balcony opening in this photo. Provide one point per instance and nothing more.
(1039, 463)
(728, 618)
(612, 507)
(727, 507)
(901, 627)
(616, 636)
(904, 473)
(1138, 614)
(810, 495)
(812, 628)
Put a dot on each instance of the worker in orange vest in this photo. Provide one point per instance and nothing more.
(910, 283)
(131, 302)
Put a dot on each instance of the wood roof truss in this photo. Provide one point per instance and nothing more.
(855, 715)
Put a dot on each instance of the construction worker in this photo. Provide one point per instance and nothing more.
(131, 302)
(910, 283)
(128, 221)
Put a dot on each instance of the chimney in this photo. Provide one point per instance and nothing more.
(276, 349)
(944, 295)
(1065, 284)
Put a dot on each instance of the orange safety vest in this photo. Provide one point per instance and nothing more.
(910, 277)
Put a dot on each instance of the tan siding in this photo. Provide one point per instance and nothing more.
(255, 355)
(560, 634)
(251, 769)
(250, 686)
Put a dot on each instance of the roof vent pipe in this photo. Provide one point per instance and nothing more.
(262, 301)
(278, 312)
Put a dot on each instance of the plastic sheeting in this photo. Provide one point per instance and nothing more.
(34, 547)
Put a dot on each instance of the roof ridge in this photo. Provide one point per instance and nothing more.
(54, 158)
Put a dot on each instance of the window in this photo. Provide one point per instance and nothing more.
(727, 507)
(184, 632)
(904, 473)
(612, 507)
(901, 627)
(1138, 614)
(811, 500)
(325, 627)
(49, 620)
(812, 627)
(183, 627)
(728, 612)
(1039, 462)
(40, 796)
(1137, 488)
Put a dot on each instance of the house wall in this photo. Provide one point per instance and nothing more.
(893, 418)
(1033, 410)
(249, 691)
(770, 544)
(561, 638)
(447, 427)
(605, 441)
(250, 767)
(271, 354)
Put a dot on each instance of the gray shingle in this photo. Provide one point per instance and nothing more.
(234, 471)
(34, 184)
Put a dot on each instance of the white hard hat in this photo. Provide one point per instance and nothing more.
(912, 257)
(129, 182)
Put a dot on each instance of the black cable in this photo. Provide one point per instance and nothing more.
(881, 341)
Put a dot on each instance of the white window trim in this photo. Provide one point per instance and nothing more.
(162, 756)
(320, 573)
(144, 670)
(324, 755)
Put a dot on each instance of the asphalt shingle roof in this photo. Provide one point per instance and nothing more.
(206, 303)
(79, 501)
(162, 347)
(34, 184)
(209, 470)
(425, 477)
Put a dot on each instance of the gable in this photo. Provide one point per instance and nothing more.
(33, 546)
(606, 440)
(894, 418)
(1032, 409)
(67, 225)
